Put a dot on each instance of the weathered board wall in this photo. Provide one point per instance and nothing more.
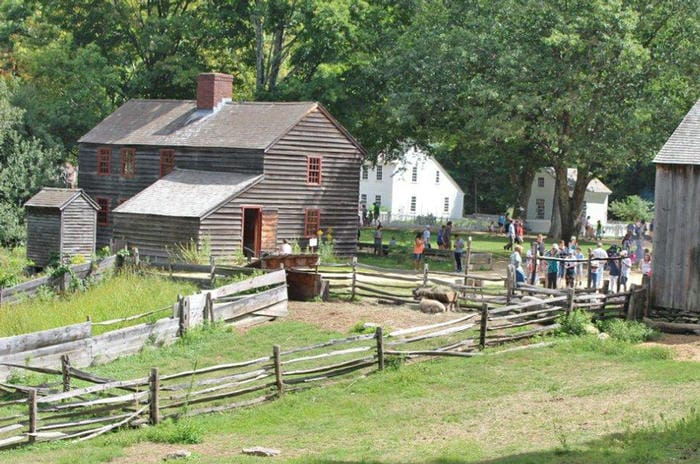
(43, 234)
(676, 244)
(118, 188)
(284, 189)
(78, 228)
(155, 235)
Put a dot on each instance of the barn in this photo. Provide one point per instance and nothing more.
(245, 175)
(676, 242)
(60, 223)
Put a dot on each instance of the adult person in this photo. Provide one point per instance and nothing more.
(614, 268)
(639, 241)
(552, 266)
(447, 236)
(459, 250)
(510, 233)
(570, 269)
(501, 223)
(285, 248)
(598, 265)
(519, 231)
(418, 248)
(579, 266)
(516, 260)
(426, 237)
(378, 240)
(599, 230)
(563, 254)
(646, 263)
(376, 211)
(440, 233)
(625, 269)
(364, 214)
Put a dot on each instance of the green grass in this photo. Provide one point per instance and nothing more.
(581, 401)
(117, 297)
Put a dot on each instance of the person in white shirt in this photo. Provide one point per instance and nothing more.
(598, 264)
(426, 236)
(626, 268)
(285, 248)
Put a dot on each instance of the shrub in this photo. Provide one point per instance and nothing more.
(183, 431)
(12, 264)
(627, 331)
(575, 324)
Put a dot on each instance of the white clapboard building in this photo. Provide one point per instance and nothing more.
(539, 207)
(416, 185)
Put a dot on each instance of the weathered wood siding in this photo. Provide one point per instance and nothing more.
(284, 188)
(43, 234)
(269, 229)
(117, 188)
(154, 235)
(79, 221)
(676, 249)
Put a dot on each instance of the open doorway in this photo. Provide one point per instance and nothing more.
(252, 228)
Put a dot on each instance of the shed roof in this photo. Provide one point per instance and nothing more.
(58, 198)
(683, 147)
(188, 193)
(246, 125)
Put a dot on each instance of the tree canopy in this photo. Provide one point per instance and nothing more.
(494, 89)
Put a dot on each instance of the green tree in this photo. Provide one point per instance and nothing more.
(632, 208)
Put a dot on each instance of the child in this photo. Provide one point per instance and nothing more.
(392, 242)
(646, 263)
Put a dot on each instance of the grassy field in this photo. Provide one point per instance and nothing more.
(117, 297)
(581, 401)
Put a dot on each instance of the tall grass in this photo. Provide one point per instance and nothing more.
(120, 296)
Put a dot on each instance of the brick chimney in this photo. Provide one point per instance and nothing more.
(212, 88)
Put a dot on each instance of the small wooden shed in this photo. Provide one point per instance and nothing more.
(676, 262)
(60, 222)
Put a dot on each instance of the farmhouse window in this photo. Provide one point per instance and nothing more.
(413, 204)
(446, 205)
(104, 161)
(128, 162)
(379, 172)
(312, 222)
(540, 208)
(103, 213)
(167, 161)
(313, 170)
(363, 199)
(365, 172)
(414, 174)
(540, 181)
(437, 177)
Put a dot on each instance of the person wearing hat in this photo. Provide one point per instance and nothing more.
(625, 269)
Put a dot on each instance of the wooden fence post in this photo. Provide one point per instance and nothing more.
(619, 277)
(380, 348)
(590, 269)
(212, 271)
(510, 283)
(469, 259)
(425, 275)
(646, 283)
(484, 323)
(33, 412)
(354, 278)
(278, 370)
(137, 257)
(65, 372)
(153, 389)
(569, 301)
(209, 309)
(182, 326)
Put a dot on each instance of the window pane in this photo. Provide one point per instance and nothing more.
(365, 172)
(313, 170)
(413, 204)
(446, 206)
(379, 172)
(414, 174)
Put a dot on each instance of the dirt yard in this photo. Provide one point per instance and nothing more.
(343, 316)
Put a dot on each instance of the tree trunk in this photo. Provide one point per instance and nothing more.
(569, 204)
(259, 46)
(555, 222)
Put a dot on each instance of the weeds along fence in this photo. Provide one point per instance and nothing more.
(41, 414)
(61, 282)
(251, 301)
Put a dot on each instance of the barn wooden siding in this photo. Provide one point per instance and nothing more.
(285, 190)
(155, 235)
(118, 189)
(676, 251)
(43, 234)
(78, 224)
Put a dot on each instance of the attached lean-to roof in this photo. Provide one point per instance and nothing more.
(58, 198)
(188, 193)
(246, 125)
(683, 147)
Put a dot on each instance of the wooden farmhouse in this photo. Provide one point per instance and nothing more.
(242, 175)
(676, 262)
(60, 223)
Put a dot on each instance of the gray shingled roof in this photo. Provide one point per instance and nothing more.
(58, 198)
(595, 185)
(248, 125)
(188, 193)
(683, 147)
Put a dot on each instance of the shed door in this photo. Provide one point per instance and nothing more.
(252, 230)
